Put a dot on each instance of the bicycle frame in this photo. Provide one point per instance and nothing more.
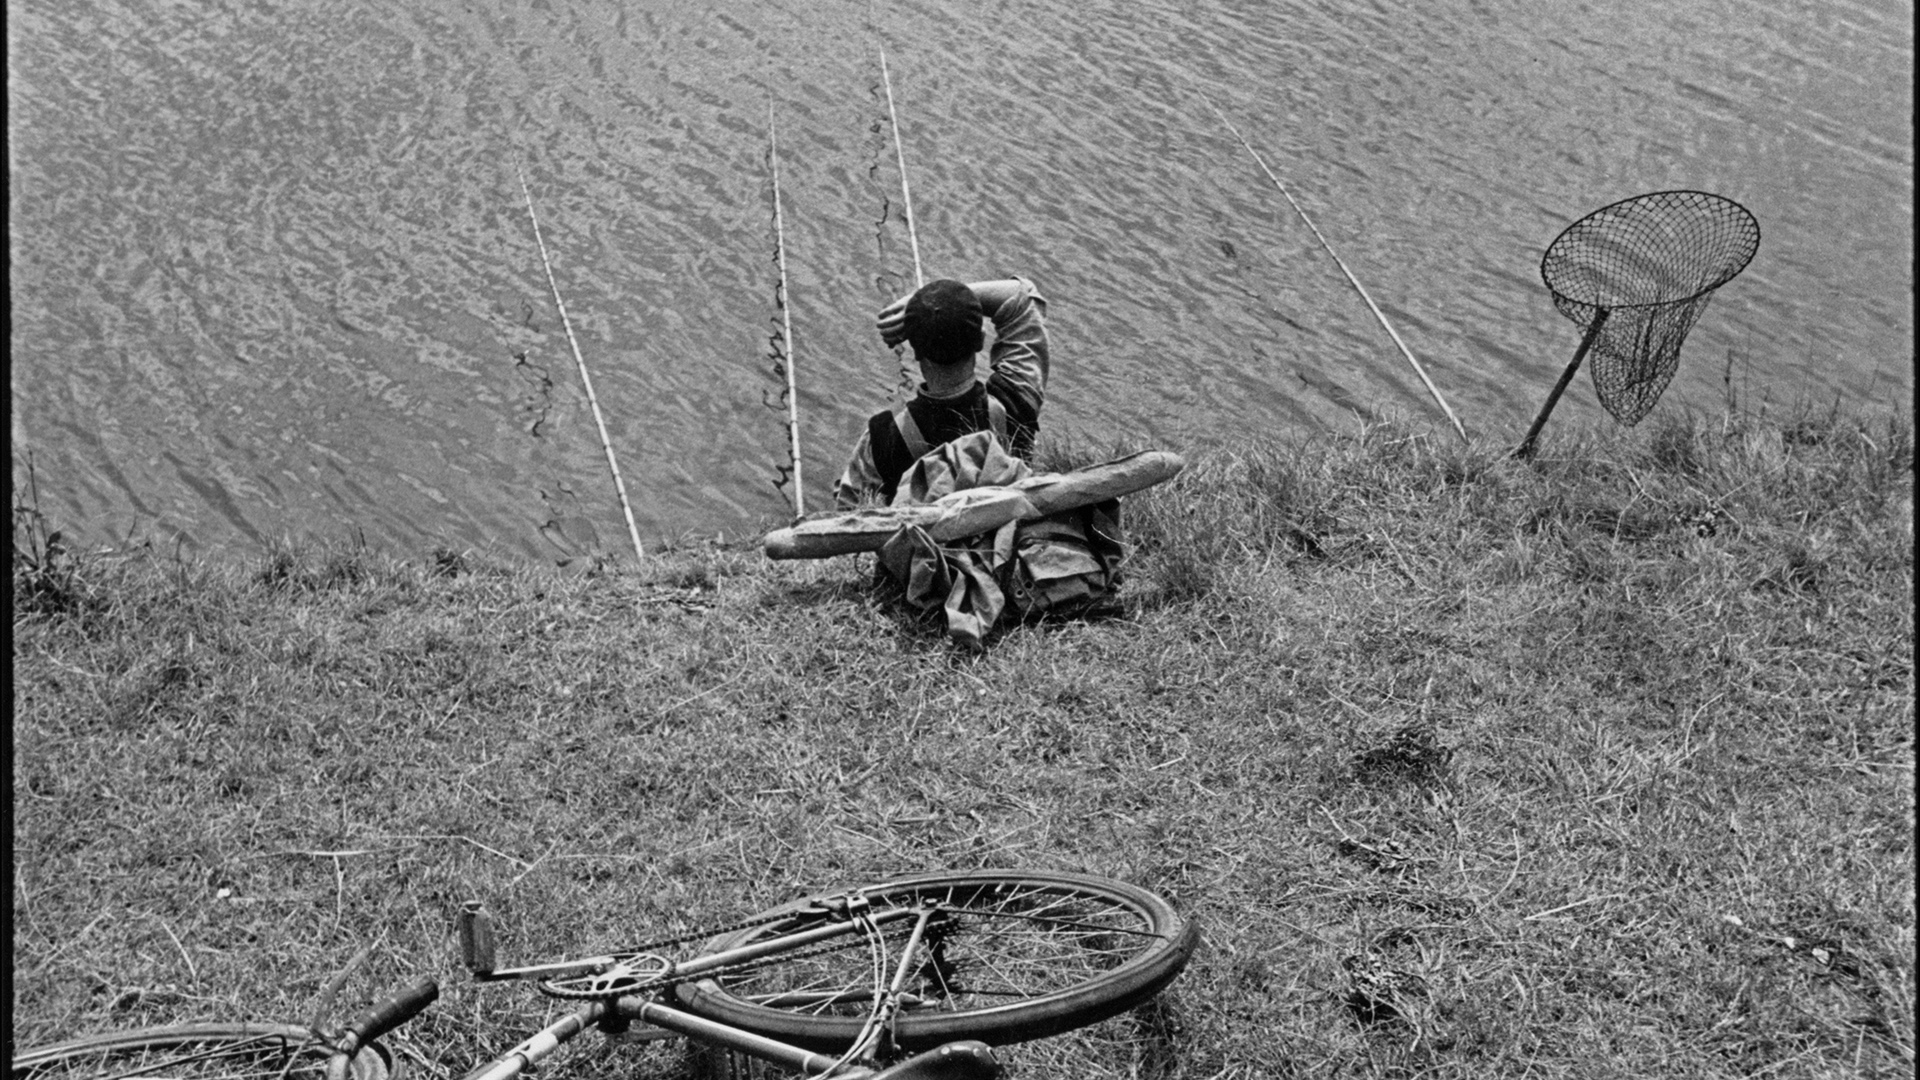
(615, 1015)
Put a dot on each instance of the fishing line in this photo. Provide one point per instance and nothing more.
(786, 313)
(586, 380)
(1371, 306)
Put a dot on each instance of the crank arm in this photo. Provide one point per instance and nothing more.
(477, 951)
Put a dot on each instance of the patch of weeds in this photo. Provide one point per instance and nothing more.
(1394, 442)
(1381, 854)
(1834, 941)
(279, 568)
(1802, 569)
(1811, 429)
(1460, 467)
(698, 576)
(1181, 544)
(1381, 993)
(1881, 473)
(1412, 753)
(1636, 525)
(829, 592)
(1897, 454)
(1184, 577)
(288, 568)
(1520, 560)
(1588, 509)
(1591, 562)
(1890, 994)
(446, 562)
(1286, 508)
(1158, 1035)
(1704, 522)
(1675, 444)
(48, 574)
(167, 689)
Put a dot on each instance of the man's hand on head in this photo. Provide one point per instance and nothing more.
(892, 322)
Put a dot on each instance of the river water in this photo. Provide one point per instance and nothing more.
(272, 272)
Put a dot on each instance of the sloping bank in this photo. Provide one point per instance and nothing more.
(1466, 767)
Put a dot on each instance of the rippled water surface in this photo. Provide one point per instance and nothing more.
(272, 273)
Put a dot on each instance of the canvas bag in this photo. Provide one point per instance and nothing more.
(1065, 563)
(1053, 565)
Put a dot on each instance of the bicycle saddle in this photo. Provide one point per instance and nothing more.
(966, 1060)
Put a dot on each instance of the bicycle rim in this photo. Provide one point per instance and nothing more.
(197, 1052)
(1017, 956)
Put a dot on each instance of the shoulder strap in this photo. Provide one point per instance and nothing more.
(916, 441)
(910, 434)
(890, 458)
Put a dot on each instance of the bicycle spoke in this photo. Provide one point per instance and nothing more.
(238, 1051)
(233, 1052)
(987, 946)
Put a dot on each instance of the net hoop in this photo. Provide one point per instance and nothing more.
(1569, 255)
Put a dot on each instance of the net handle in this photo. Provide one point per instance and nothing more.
(1525, 450)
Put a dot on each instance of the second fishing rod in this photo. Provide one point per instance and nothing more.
(1365, 297)
(783, 347)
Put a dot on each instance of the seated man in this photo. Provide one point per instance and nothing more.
(941, 320)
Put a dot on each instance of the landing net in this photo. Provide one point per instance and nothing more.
(1643, 269)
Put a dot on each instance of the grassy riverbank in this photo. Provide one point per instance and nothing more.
(1468, 768)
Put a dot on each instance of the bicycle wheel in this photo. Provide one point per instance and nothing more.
(1013, 956)
(197, 1052)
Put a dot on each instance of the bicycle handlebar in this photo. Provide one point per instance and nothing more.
(379, 1020)
(394, 1011)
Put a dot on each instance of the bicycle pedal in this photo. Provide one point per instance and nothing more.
(477, 949)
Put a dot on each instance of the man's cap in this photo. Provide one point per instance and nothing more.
(942, 322)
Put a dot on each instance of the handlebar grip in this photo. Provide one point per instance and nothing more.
(393, 1012)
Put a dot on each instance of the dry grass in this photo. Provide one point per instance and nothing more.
(1466, 767)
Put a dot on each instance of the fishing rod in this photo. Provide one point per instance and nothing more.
(906, 193)
(906, 196)
(786, 314)
(1371, 306)
(633, 531)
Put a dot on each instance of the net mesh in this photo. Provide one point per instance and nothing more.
(1650, 263)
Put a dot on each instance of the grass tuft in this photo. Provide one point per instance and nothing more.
(1412, 753)
(49, 578)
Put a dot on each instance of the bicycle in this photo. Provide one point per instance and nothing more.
(954, 964)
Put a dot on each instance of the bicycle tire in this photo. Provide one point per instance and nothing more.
(198, 1052)
(1110, 945)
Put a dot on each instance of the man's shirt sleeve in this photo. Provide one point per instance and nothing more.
(1019, 361)
(861, 481)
